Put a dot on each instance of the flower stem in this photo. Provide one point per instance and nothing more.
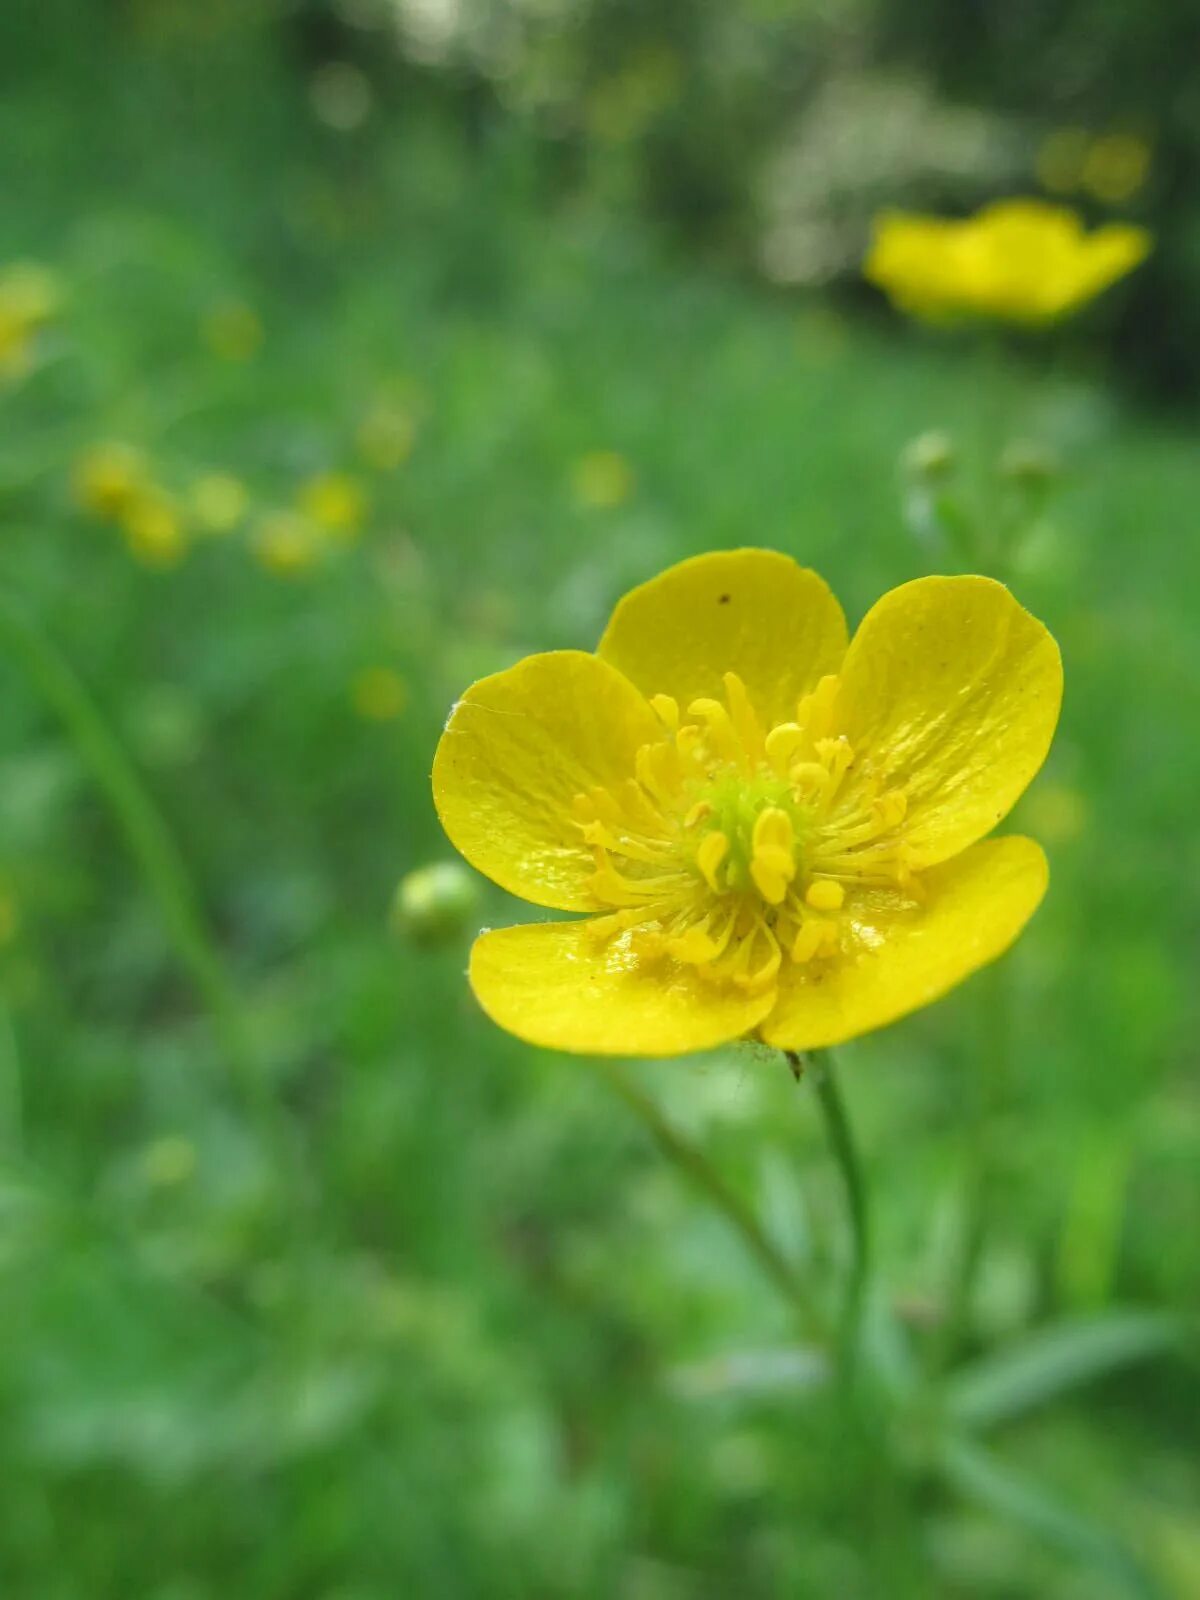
(146, 833)
(988, 1091)
(10, 1088)
(820, 1064)
(701, 1173)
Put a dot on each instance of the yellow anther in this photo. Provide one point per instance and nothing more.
(773, 831)
(698, 813)
(810, 940)
(837, 755)
(667, 709)
(783, 744)
(772, 862)
(741, 713)
(825, 894)
(811, 777)
(714, 847)
(657, 767)
(815, 711)
(722, 735)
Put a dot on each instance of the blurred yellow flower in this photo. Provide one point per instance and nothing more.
(378, 694)
(1116, 167)
(218, 502)
(30, 297)
(286, 543)
(602, 479)
(778, 834)
(1017, 261)
(336, 502)
(153, 528)
(385, 436)
(232, 330)
(107, 478)
(169, 1161)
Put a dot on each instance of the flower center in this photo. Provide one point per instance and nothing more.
(733, 848)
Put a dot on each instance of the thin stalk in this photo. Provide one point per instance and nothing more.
(11, 1099)
(820, 1065)
(989, 1090)
(700, 1172)
(146, 833)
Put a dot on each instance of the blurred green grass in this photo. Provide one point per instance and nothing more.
(442, 1321)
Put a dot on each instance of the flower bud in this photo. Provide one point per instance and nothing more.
(930, 456)
(1029, 464)
(434, 904)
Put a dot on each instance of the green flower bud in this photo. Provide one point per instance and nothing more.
(1029, 464)
(930, 456)
(435, 904)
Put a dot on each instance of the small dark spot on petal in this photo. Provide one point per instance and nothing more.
(722, 599)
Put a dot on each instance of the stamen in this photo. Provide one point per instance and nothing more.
(732, 849)
(825, 894)
(721, 733)
(714, 847)
(772, 864)
(667, 709)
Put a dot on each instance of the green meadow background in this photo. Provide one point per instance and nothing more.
(313, 1284)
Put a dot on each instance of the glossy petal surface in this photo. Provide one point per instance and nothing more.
(975, 907)
(556, 985)
(952, 691)
(519, 746)
(752, 612)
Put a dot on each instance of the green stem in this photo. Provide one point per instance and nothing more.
(820, 1064)
(146, 833)
(701, 1173)
(981, 1156)
(10, 1088)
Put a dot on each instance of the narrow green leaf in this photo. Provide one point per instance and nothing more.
(1053, 1360)
(979, 1477)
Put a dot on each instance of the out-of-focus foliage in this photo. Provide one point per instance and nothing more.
(769, 131)
(327, 1288)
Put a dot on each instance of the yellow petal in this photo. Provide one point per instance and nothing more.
(975, 907)
(752, 612)
(555, 984)
(1111, 252)
(519, 746)
(952, 690)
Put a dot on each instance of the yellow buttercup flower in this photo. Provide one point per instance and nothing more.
(30, 297)
(778, 834)
(154, 530)
(109, 478)
(1017, 261)
(286, 543)
(218, 502)
(336, 502)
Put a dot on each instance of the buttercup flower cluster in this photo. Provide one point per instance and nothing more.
(1017, 261)
(777, 833)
